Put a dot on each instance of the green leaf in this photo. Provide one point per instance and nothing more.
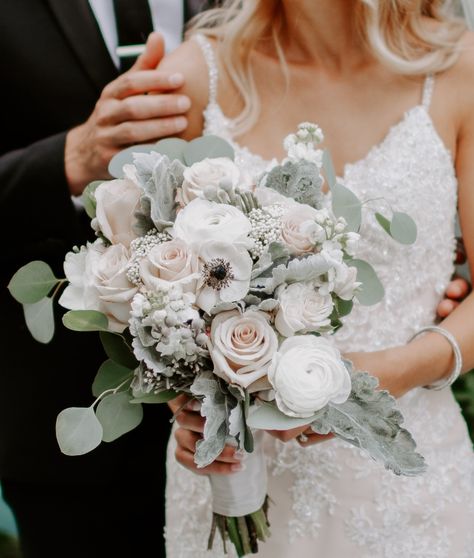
(162, 397)
(344, 307)
(117, 416)
(109, 376)
(267, 416)
(32, 282)
(370, 420)
(329, 171)
(383, 222)
(78, 430)
(207, 147)
(39, 318)
(85, 320)
(346, 204)
(403, 228)
(372, 290)
(116, 349)
(173, 148)
(125, 157)
(88, 198)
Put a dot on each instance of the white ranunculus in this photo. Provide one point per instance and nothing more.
(117, 201)
(307, 373)
(242, 347)
(171, 261)
(302, 309)
(225, 274)
(97, 278)
(207, 173)
(202, 220)
(296, 233)
(267, 196)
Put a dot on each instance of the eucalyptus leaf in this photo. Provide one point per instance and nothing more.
(267, 416)
(78, 430)
(371, 291)
(125, 157)
(32, 282)
(39, 317)
(370, 420)
(329, 171)
(383, 222)
(162, 397)
(109, 376)
(403, 228)
(173, 148)
(88, 198)
(85, 320)
(346, 204)
(116, 349)
(117, 416)
(207, 147)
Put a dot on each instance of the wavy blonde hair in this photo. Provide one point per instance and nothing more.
(398, 33)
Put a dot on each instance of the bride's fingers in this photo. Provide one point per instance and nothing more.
(178, 402)
(186, 459)
(187, 440)
(191, 420)
(310, 438)
(287, 435)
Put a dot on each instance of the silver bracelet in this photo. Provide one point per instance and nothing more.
(443, 383)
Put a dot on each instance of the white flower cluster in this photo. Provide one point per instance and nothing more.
(140, 248)
(169, 334)
(266, 228)
(301, 145)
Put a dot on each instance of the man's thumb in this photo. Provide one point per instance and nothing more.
(153, 54)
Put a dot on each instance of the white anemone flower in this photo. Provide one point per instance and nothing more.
(225, 274)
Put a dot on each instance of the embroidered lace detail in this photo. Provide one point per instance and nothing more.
(330, 499)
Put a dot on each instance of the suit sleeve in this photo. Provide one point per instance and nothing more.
(38, 219)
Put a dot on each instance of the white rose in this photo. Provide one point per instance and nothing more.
(203, 220)
(98, 281)
(171, 261)
(225, 274)
(117, 202)
(307, 373)
(205, 173)
(302, 309)
(295, 232)
(242, 347)
(267, 196)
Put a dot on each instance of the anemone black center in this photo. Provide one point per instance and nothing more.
(219, 272)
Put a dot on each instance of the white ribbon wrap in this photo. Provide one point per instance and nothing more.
(244, 492)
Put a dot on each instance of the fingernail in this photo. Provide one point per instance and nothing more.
(180, 123)
(194, 405)
(183, 103)
(176, 79)
(238, 467)
(455, 290)
(239, 454)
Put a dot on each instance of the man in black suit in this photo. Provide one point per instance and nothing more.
(55, 137)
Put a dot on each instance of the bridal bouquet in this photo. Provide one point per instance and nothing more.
(225, 287)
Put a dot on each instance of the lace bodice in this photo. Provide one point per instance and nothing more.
(331, 500)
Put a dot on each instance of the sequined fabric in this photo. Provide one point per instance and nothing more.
(330, 500)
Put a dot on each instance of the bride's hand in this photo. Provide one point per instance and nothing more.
(191, 426)
(303, 435)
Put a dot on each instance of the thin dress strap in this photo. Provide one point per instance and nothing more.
(428, 87)
(210, 58)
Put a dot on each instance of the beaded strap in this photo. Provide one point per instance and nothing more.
(428, 87)
(210, 58)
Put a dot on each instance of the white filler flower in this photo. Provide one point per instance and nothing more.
(307, 373)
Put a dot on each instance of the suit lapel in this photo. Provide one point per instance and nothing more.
(80, 28)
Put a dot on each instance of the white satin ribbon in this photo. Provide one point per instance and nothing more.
(468, 8)
(243, 492)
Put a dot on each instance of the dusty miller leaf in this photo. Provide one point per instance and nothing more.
(370, 420)
(237, 426)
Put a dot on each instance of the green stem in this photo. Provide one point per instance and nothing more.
(234, 535)
(57, 287)
(244, 535)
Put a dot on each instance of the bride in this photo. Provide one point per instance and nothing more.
(391, 83)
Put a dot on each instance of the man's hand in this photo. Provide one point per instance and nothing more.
(124, 115)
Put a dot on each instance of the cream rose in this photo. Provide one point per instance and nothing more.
(295, 232)
(307, 373)
(117, 201)
(242, 347)
(98, 281)
(302, 309)
(203, 220)
(171, 261)
(207, 173)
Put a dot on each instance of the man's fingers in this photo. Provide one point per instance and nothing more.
(138, 83)
(445, 307)
(142, 107)
(131, 133)
(154, 52)
(457, 289)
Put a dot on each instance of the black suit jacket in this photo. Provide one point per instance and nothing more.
(53, 64)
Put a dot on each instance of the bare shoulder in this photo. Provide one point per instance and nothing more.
(188, 60)
(461, 76)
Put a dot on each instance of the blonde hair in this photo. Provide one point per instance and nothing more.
(396, 32)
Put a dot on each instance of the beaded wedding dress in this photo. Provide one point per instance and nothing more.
(331, 500)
